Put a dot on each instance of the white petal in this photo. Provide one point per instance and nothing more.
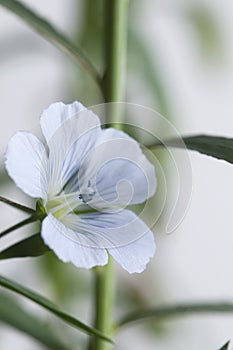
(26, 163)
(71, 131)
(57, 237)
(56, 115)
(120, 171)
(104, 229)
(135, 256)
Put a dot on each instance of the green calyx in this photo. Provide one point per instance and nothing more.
(40, 210)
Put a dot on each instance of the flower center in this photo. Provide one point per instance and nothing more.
(63, 204)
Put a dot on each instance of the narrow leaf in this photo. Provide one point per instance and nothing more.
(32, 246)
(51, 34)
(13, 315)
(18, 225)
(214, 146)
(225, 347)
(17, 205)
(48, 305)
(176, 310)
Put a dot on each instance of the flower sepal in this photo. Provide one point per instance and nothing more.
(40, 210)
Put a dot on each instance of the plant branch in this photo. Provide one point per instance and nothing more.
(115, 52)
(104, 293)
(116, 15)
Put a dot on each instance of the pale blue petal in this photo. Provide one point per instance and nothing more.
(71, 132)
(135, 256)
(104, 229)
(26, 163)
(57, 236)
(119, 171)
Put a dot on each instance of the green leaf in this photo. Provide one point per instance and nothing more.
(51, 34)
(31, 246)
(225, 347)
(17, 205)
(214, 146)
(13, 315)
(176, 310)
(18, 225)
(48, 305)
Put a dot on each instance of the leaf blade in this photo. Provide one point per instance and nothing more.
(176, 310)
(47, 304)
(214, 146)
(51, 34)
(225, 346)
(17, 205)
(18, 225)
(32, 246)
(12, 314)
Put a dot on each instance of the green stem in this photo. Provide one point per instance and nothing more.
(17, 205)
(104, 298)
(113, 83)
(116, 15)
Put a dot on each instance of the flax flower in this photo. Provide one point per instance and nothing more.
(85, 177)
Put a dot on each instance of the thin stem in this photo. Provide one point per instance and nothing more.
(50, 33)
(17, 205)
(115, 53)
(18, 225)
(104, 297)
(176, 310)
(116, 15)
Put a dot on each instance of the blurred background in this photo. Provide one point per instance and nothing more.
(180, 63)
